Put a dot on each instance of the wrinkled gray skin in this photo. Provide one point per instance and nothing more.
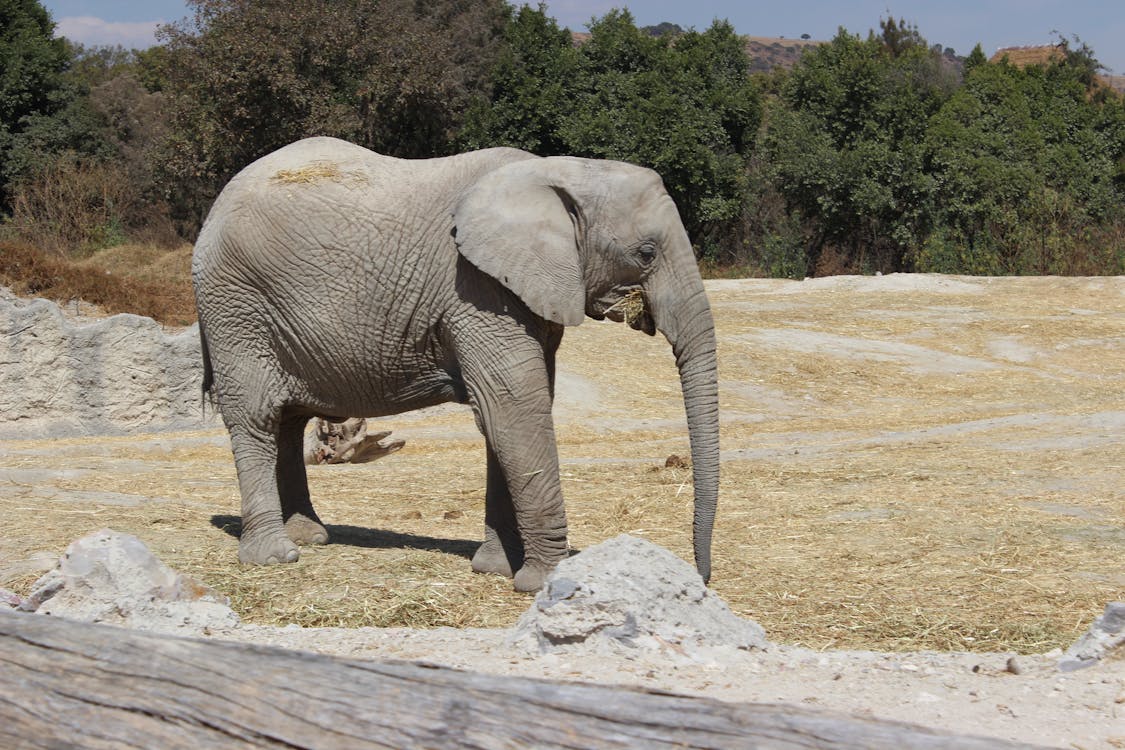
(332, 281)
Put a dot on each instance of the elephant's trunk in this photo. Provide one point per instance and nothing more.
(681, 312)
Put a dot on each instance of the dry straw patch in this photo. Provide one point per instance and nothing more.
(319, 171)
(915, 465)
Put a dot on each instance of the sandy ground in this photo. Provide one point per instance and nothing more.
(965, 693)
(910, 462)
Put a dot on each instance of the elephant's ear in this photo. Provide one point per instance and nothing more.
(517, 224)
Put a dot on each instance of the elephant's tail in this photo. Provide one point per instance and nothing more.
(208, 371)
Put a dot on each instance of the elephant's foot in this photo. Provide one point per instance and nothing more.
(491, 558)
(532, 575)
(304, 530)
(267, 548)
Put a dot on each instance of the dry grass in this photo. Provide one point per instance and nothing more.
(929, 471)
(147, 263)
(319, 171)
(631, 306)
(1021, 57)
(141, 279)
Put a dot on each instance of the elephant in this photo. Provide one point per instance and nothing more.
(335, 282)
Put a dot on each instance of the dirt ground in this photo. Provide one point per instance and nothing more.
(912, 465)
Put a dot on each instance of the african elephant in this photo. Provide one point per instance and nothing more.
(336, 282)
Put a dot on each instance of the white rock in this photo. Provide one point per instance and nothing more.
(1106, 634)
(628, 594)
(113, 578)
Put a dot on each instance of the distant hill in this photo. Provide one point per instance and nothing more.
(1045, 54)
(663, 28)
(1021, 57)
(767, 53)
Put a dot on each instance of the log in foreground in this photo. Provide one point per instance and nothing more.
(66, 684)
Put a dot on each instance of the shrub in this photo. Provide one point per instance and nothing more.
(30, 271)
(74, 208)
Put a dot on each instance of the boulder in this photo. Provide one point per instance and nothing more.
(113, 578)
(627, 594)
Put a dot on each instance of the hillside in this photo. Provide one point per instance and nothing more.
(1045, 54)
(767, 53)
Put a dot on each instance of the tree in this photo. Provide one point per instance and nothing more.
(247, 76)
(64, 177)
(975, 58)
(31, 83)
(531, 87)
(84, 176)
(122, 90)
(898, 37)
(683, 105)
(843, 146)
(1026, 171)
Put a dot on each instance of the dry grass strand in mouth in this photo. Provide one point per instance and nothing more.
(632, 306)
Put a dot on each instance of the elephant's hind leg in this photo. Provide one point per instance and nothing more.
(302, 525)
(263, 540)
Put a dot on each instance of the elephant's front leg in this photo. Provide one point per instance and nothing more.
(512, 397)
(502, 551)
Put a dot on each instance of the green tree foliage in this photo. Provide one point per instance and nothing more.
(1027, 171)
(843, 146)
(683, 105)
(532, 87)
(248, 76)
(886, 159)
(122, 88)
(85, 172)
(975, 58)
(64, 182)
(32, 89)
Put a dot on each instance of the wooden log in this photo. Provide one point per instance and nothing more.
(345, 442)
(65, 684)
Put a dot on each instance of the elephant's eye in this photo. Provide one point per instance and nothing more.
(646, 253)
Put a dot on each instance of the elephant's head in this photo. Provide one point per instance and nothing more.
(575, 237)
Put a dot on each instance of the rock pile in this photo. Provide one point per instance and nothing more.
(627, 594)
(112, 578)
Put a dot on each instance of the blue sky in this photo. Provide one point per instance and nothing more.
(953, 23)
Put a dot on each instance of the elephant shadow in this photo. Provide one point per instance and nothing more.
(359, 536)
